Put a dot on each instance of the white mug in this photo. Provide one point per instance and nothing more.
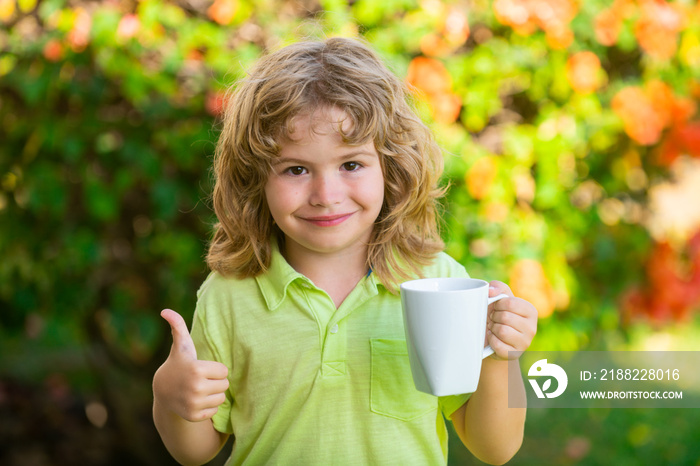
(445, 323)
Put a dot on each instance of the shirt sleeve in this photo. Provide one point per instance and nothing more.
(450, 404)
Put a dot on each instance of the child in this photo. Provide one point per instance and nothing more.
(326, 195)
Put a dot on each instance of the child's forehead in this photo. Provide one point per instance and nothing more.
(322, 121)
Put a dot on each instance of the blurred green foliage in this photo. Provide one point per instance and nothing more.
(572, 144)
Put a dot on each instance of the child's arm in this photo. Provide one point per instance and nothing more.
(186, 394)
(491, 430)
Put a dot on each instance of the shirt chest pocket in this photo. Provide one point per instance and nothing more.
(392, 392)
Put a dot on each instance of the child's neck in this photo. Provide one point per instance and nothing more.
(336, 274)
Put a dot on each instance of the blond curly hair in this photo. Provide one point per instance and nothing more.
(298, 79)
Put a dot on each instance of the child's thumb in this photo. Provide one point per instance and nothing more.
(182, 341)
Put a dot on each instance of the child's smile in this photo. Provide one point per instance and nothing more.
(323, 194)
(328, 220)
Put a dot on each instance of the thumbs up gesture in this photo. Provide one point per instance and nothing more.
(190, 388)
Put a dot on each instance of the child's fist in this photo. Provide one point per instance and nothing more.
(190, 388)
(512, 323)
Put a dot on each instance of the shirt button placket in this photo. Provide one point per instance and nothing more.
(334, 353)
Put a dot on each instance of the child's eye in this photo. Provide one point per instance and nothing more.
(351, 166)
(295, 171)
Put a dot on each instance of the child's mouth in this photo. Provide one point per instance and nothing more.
(328, 220)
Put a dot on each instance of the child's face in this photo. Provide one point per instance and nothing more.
(324, 195)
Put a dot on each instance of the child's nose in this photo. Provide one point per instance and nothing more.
(326, 191)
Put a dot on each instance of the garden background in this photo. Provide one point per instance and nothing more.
(572, 140)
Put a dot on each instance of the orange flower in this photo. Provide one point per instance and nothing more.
(647, 111)
(453, 32)
(683, 109)
(481, 176)
(79, 35)
(429, 75)
(624, 8)
(607, 26)
(53, 50)
(496, 212)
(516, 14)
(195, 55)
(552, 16)
(7, 10)
(456, 28)
(657, 28)
(215, 102)
(682, 139)
(560, 37)
(450, 29)
(690, 135)
(223, 11)
(446, 107)
(584, 72)
(128, 27)
(662, 100)
(640, 119)
(432, 78)
(673, 290)
(434, 45)
(529, 282)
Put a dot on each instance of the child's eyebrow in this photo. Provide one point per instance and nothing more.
(346, 156)
(357, 153)
(284, 160)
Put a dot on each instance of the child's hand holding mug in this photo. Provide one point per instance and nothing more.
(511, 324)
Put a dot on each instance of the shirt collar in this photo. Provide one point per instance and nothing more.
(275, 282)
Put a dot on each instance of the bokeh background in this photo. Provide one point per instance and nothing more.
(572, 146)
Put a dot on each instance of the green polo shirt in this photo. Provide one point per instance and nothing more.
(314, 385)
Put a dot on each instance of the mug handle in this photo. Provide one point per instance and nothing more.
(488, 351)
